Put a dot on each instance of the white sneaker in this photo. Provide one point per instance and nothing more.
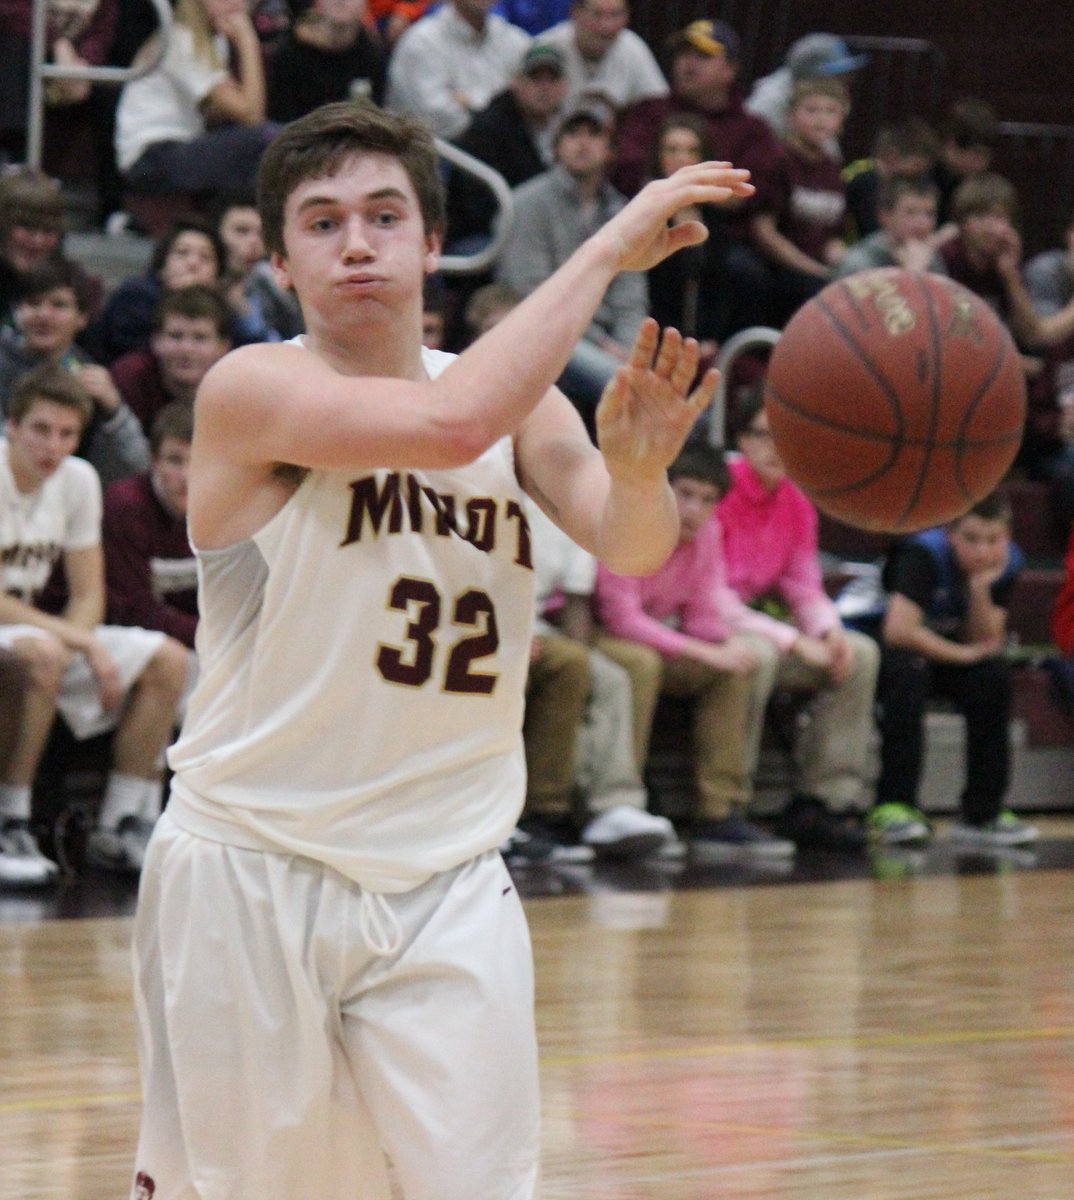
(21, 861)
(627, 832)
(120, 849)
(1004, 830)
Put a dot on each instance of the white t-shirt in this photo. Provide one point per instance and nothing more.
(626, 73)
(560, 565)
(163, 106)
(363, 660)
(64, 513)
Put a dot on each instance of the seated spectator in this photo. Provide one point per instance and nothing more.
(604, 56)
(584, 794)
(1063, 612)
(705, 62)
(1049, 276)
(189, 252)
(554, 214)
(52, 310)
(328, 54)
(75, 35)
(191, 332)
(815, 56)
(486, 307)
(798, 225)
(149, 568)
(692, 624)
(261, 312)
(98, 677)
(906, 147)
(772, 557)
(534, 16)
(31, 228)
(450, 64)
(689, 290)
(907, 211)
(968, 135)
(192, 125)
(513, 134)
(942, 635)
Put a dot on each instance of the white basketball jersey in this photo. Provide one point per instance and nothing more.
(363, 662)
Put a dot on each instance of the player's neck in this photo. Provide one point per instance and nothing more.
(371, 350)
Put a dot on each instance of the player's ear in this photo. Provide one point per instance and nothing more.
(434, 244)
(280, 270)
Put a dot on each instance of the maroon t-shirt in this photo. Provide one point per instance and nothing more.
(808, 198)
(986, 282)
(138, 379)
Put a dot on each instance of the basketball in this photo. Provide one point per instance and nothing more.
(896, 399)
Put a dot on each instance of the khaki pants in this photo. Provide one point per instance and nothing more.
(556, 692)
(832, 750)
(722, 706)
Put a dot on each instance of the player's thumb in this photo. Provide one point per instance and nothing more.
(689, 233)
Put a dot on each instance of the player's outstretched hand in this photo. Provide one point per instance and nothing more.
(640, 232)
(648, 408)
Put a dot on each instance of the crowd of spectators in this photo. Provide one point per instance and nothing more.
(576, 113)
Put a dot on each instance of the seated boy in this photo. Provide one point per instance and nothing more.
(690, 622)
(942, 635)
(906, 209)
(905, 147)
(770, 548)
(800, 219)
(53, 306)
(98, 677)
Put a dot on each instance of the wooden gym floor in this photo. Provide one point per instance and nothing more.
(901, 1029)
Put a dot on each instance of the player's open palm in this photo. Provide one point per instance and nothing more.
(649, 406)
(642, 232)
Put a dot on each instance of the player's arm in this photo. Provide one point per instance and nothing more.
(267, 404)
(617, 502)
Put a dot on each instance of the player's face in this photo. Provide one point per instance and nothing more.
(816, 119)
(185, 348)
(759, 450)
(171, 465)
(701, 77)
(49, 323)
(695, 499)
(240, 230)
(679, 147)
(356, 243)
(41, 440)
(597, 23)
(191, 259)
(979, 544)
(912, 219)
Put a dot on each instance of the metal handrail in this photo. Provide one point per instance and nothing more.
(745, 339)
(481, 260)
(40, 70)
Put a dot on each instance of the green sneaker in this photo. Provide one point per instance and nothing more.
(897, 825)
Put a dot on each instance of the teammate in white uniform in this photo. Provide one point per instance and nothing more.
(332, 965)
(99, 677)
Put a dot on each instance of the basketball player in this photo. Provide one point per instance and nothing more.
(332, 964)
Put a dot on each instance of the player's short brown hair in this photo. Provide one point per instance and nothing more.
(820, 85)
(984, 193)
(996, 506)
(317, 145)
(194, 301)
(48, 382)
(30, 198)
(894, 187)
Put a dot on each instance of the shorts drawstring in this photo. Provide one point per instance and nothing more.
(379, 926)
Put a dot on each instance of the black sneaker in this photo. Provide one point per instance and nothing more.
(738, 834)
(560, 832)
(808, 821)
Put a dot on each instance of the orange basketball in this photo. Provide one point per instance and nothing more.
(896, 399)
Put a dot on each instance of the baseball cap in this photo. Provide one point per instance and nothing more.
(822, 54)
(593, 109)
(709, 37)
(542, 56)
